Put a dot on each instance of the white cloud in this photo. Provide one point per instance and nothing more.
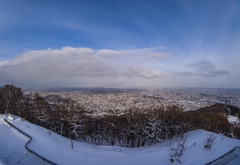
(142, 72)
(49, 67)
(2, 63)
(153, 54)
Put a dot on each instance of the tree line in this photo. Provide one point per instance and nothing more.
(133, 129)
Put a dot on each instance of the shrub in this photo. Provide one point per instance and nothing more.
(209, 141)
(178, 149)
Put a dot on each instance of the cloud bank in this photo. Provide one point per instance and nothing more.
(146, 54)
(49, 67)
(86, 67)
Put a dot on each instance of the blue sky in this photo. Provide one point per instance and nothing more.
(113, 43)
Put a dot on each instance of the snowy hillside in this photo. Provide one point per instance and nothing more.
(58, 149)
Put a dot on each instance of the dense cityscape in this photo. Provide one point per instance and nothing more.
(117, 101)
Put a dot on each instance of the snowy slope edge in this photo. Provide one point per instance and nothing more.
(58, 149)
(227, 156)
(26, 145)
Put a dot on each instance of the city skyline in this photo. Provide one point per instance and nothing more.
(110, 43)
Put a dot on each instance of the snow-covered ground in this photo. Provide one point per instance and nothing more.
(233, 119)
(58, 149)
(12, 150)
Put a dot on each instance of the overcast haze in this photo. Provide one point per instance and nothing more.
(120, 43)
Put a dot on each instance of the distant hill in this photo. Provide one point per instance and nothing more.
(54, 99)
(220, 109)
(215, 108)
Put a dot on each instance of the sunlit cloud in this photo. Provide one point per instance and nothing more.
(153, 54)
(52, 65)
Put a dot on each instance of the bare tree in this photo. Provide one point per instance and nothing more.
(12, 98)
(2, 107)
(40, 107)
